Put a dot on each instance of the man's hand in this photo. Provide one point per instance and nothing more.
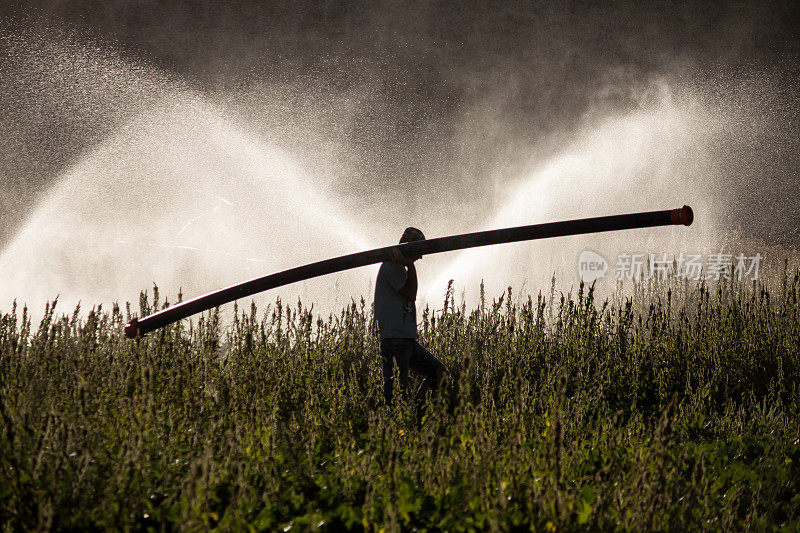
(398, 257)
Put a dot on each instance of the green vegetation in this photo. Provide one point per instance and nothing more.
(676, 408)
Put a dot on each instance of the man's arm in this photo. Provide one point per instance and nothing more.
(409, 290)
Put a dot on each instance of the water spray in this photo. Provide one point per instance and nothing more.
(137, 327)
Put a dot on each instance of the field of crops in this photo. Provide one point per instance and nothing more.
(675, 408)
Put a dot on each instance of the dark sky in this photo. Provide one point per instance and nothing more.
(535, 50)
(528, 70)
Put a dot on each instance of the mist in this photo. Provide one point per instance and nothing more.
(196, 147)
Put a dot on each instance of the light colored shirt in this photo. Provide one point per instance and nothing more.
(396, 316)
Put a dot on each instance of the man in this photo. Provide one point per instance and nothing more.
(396, 313)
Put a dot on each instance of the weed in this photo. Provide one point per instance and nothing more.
(676, 408)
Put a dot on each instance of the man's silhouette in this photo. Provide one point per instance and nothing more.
(396, 313)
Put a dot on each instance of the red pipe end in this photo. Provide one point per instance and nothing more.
(132, 329)
(684, 216)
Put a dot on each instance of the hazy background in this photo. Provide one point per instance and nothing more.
(123, 121)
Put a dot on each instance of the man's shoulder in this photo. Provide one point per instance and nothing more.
(390, 268)
(391, 274)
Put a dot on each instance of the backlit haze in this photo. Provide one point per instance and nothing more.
(128, 161)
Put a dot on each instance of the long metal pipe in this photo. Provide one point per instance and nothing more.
(141, 326)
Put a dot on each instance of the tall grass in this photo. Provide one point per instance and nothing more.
(674, 408)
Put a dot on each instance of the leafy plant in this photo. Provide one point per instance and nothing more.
(674, 408)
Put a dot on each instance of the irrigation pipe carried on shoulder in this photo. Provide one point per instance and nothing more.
(141, 326)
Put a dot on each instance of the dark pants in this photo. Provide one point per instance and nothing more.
(408, 353)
